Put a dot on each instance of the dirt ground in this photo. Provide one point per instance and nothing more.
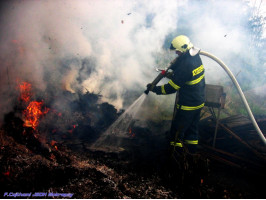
(126, 174)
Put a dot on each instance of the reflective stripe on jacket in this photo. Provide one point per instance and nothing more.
(189, 79)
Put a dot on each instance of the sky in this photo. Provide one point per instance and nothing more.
(111, 47)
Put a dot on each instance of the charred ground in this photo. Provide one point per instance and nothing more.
(58, 156)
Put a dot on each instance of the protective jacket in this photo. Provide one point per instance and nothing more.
(188, 78)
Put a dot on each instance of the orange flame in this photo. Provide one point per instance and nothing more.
(33, 112)
(131, 133)
(25, 91)
(53, 143)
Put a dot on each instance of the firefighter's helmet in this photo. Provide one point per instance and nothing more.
(181, 43)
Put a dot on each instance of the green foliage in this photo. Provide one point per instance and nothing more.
(234, 104)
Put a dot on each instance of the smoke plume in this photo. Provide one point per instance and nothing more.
(110, 47)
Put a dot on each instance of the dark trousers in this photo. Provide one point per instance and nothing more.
(185, 128)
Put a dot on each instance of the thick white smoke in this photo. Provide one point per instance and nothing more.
(120, 35)
(221, 28)
(46, 42)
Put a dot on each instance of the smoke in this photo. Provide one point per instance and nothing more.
(231, 30)
(108, 47)
(223, 29)
(119, 35)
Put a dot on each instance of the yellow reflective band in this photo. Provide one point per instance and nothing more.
(195, 81)
(173, 85)
(191, 141)
(176, 144)
(163, 90)
(198, 70)
(190, 107)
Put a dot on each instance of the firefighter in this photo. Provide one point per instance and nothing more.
(188, 79)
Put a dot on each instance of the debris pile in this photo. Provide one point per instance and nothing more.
(52, 154)
(236, 140)
(55, 155)
(31, 167)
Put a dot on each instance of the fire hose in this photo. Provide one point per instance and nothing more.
(230, 74)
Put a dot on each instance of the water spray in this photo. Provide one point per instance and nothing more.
(230, 74)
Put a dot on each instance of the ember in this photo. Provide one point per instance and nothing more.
(53, 143)
(131, 133)
(71, 130)
(6, 173)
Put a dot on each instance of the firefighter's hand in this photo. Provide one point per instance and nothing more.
(150, 87)
(153, 88)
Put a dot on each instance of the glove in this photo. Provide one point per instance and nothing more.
(153, 88)
(150, 87)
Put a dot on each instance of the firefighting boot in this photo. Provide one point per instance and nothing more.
(177, 151)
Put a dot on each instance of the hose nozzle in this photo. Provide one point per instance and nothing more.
(147, 91)
(150, 86)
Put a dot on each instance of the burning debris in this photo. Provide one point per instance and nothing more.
(91, 150)
(25, 92)
(75, 143)
(34, 158)
(33, 111)
(45, 148)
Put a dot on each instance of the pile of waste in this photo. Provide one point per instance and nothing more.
(49, 152)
